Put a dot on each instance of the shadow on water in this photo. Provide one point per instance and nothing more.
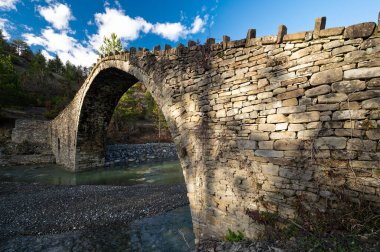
(168, 172)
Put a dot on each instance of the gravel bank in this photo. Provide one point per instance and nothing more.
(30, 209)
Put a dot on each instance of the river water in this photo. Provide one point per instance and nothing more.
(171, 231)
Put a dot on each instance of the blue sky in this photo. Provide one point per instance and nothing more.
(74, 29)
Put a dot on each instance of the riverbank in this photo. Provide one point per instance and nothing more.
(31, 210)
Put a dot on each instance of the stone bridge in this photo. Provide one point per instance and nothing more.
(260, 124)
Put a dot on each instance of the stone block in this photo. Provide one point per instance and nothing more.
(267, 127)
(294, 36)
(313, 57)
(357, 144)
(362, 73)
(371, 103)
(350, 115)
(269, 153)
(304, 117)
(349, 132)
(270, 169)
(293, 81)
(290, 102)
(266, 145)
(330, 143)
(282, 31)
(319, 90)
(364, 95)
(374, 82)
(291, 94)
(323, 107)
(333, 44)
(296, 127)
(259, 136)
(281, 126)
(348, 86)
(276, 118)
(362, 30)
(343, 50)
(327, 76)
(246, 144)
(332, 98)
(287, 144)
(331, 32)
(282, 135)
(373, 134)
(292, 109)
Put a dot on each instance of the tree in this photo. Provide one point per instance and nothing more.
(19, 46)
(110, 45)
(55, 65)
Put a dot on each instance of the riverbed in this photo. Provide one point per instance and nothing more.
(152, 214)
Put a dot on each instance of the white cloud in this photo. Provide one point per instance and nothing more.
(47, 55)
(66, 47)
(59, 15)
(174, 31)
(171, 31)
(115, 21)
(3, 25)
(63, 44)
(7, 5)
(129, 29)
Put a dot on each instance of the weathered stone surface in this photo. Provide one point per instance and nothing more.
(290, 110)
(331, 32)
(331, 143)
(327, 76)
(362, 73)
(269, 153)
(276, 118)
(294, 36)
(374, 82)
(287, 144)
(358, 144)
(332, 98)
(323, 107)
(362, 30)
(291, 94)
(324, 89)
(333, 44)
(371, 103)
(304, 117)
(373, 134)
(364, 95)
(343, 49)
(349, 114)
(348, 86)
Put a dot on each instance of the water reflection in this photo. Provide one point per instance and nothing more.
(152, 173)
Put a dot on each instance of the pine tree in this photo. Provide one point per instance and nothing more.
(110, 45)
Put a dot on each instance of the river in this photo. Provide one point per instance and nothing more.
(167, 231)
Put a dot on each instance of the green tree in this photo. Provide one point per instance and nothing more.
(19, 46)
(37, 69)
(155, 113)
(110, 45)
(55, 65)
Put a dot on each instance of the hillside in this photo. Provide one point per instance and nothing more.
(34, 87)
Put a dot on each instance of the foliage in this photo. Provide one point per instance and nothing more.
(234, 237)
(111, 45)
(27, 78)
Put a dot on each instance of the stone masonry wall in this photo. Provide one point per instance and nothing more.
(33, 131)
(260, 124)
